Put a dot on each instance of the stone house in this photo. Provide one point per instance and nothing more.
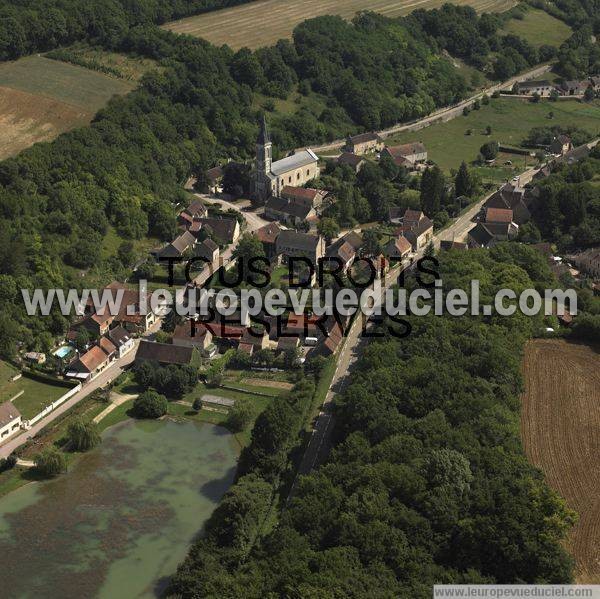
(363, 143)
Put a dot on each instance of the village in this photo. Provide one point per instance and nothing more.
(282, 219)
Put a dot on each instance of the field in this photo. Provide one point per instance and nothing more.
(41, 98)
(263, 22)
(560, 426)
(511, 120)
(539, 28)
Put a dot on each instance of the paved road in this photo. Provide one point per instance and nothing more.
(103, 379)
(443, 114)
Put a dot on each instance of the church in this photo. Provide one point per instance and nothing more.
(269, 178)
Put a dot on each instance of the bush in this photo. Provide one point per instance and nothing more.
(240, 416)
(50, 462)
(8, 464)
(150, 405)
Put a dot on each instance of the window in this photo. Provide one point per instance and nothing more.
(308, 173)
(298, 176)
(290, 179)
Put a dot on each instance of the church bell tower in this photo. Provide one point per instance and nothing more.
(264, 149)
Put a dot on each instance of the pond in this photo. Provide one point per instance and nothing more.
(118, 524)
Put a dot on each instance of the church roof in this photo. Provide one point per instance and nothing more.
(298, 160)
(263, 135)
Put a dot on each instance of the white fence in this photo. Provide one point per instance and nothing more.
(53, 405)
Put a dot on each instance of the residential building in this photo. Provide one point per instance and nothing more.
(417, 228)
(529, 88)
(90, 364)
(193, 334)
(398, 248)
(446, 246)
(485, 235)
(407, 155)
(122, 340)
(512, 197)
(165, 354)
(588, 261)
(269, 178)
(10, 420)
(35, 357)
(363, 143)
(267, 235)
(214, 177)
(195, 210)
(574, 87)
(343, 253)
(108, 347)
(133, 316)
(561, 144)
(178, 247)
(293, 244)
(289, 212)
(498, 215)
(354, 161)
(208, 250)
(304, 195)
(221, 230)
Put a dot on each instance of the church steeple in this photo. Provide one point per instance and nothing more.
(263, 136)
(263, 149)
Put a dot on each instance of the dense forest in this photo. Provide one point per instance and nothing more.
(28, 26)
(568, 207)
(427, 482)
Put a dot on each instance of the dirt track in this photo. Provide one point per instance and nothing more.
(560, 426)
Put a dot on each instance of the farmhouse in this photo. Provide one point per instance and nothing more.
(528, 88)
(10, 420)
(363, 143)
(214, 177)
(194, 211)
(269, 178)
(486, 235)
(407, 155)
(294, 244)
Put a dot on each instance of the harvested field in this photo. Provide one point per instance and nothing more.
(42, 98)
(560, 426)
(263, 22)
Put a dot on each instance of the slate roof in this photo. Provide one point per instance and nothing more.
(350, 159)
(119, 336)
(362, 138)
(298, 160)
(289, 207)
(223, 228)
(300, 193)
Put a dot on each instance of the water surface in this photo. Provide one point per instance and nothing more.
(118, 524)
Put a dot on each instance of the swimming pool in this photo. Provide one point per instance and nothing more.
(63, 351)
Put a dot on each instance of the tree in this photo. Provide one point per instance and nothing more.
(197, 405)
(589, 94)
(50, 462)
(82, 339)
(144, 373)
(432, 190)
(488, 130)
(490, 150)
(554, 95)
(236, 179)
(329, 228)
(150, 404)
(463, 182)
(535, 98)
(240, 415)
(83, 436)
(249, 247)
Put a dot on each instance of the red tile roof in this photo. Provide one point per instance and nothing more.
(93, 359)
(498, 215)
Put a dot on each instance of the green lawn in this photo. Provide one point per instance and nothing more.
(539, 28)
(511, 120)
(37, 396)
(37, 393)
